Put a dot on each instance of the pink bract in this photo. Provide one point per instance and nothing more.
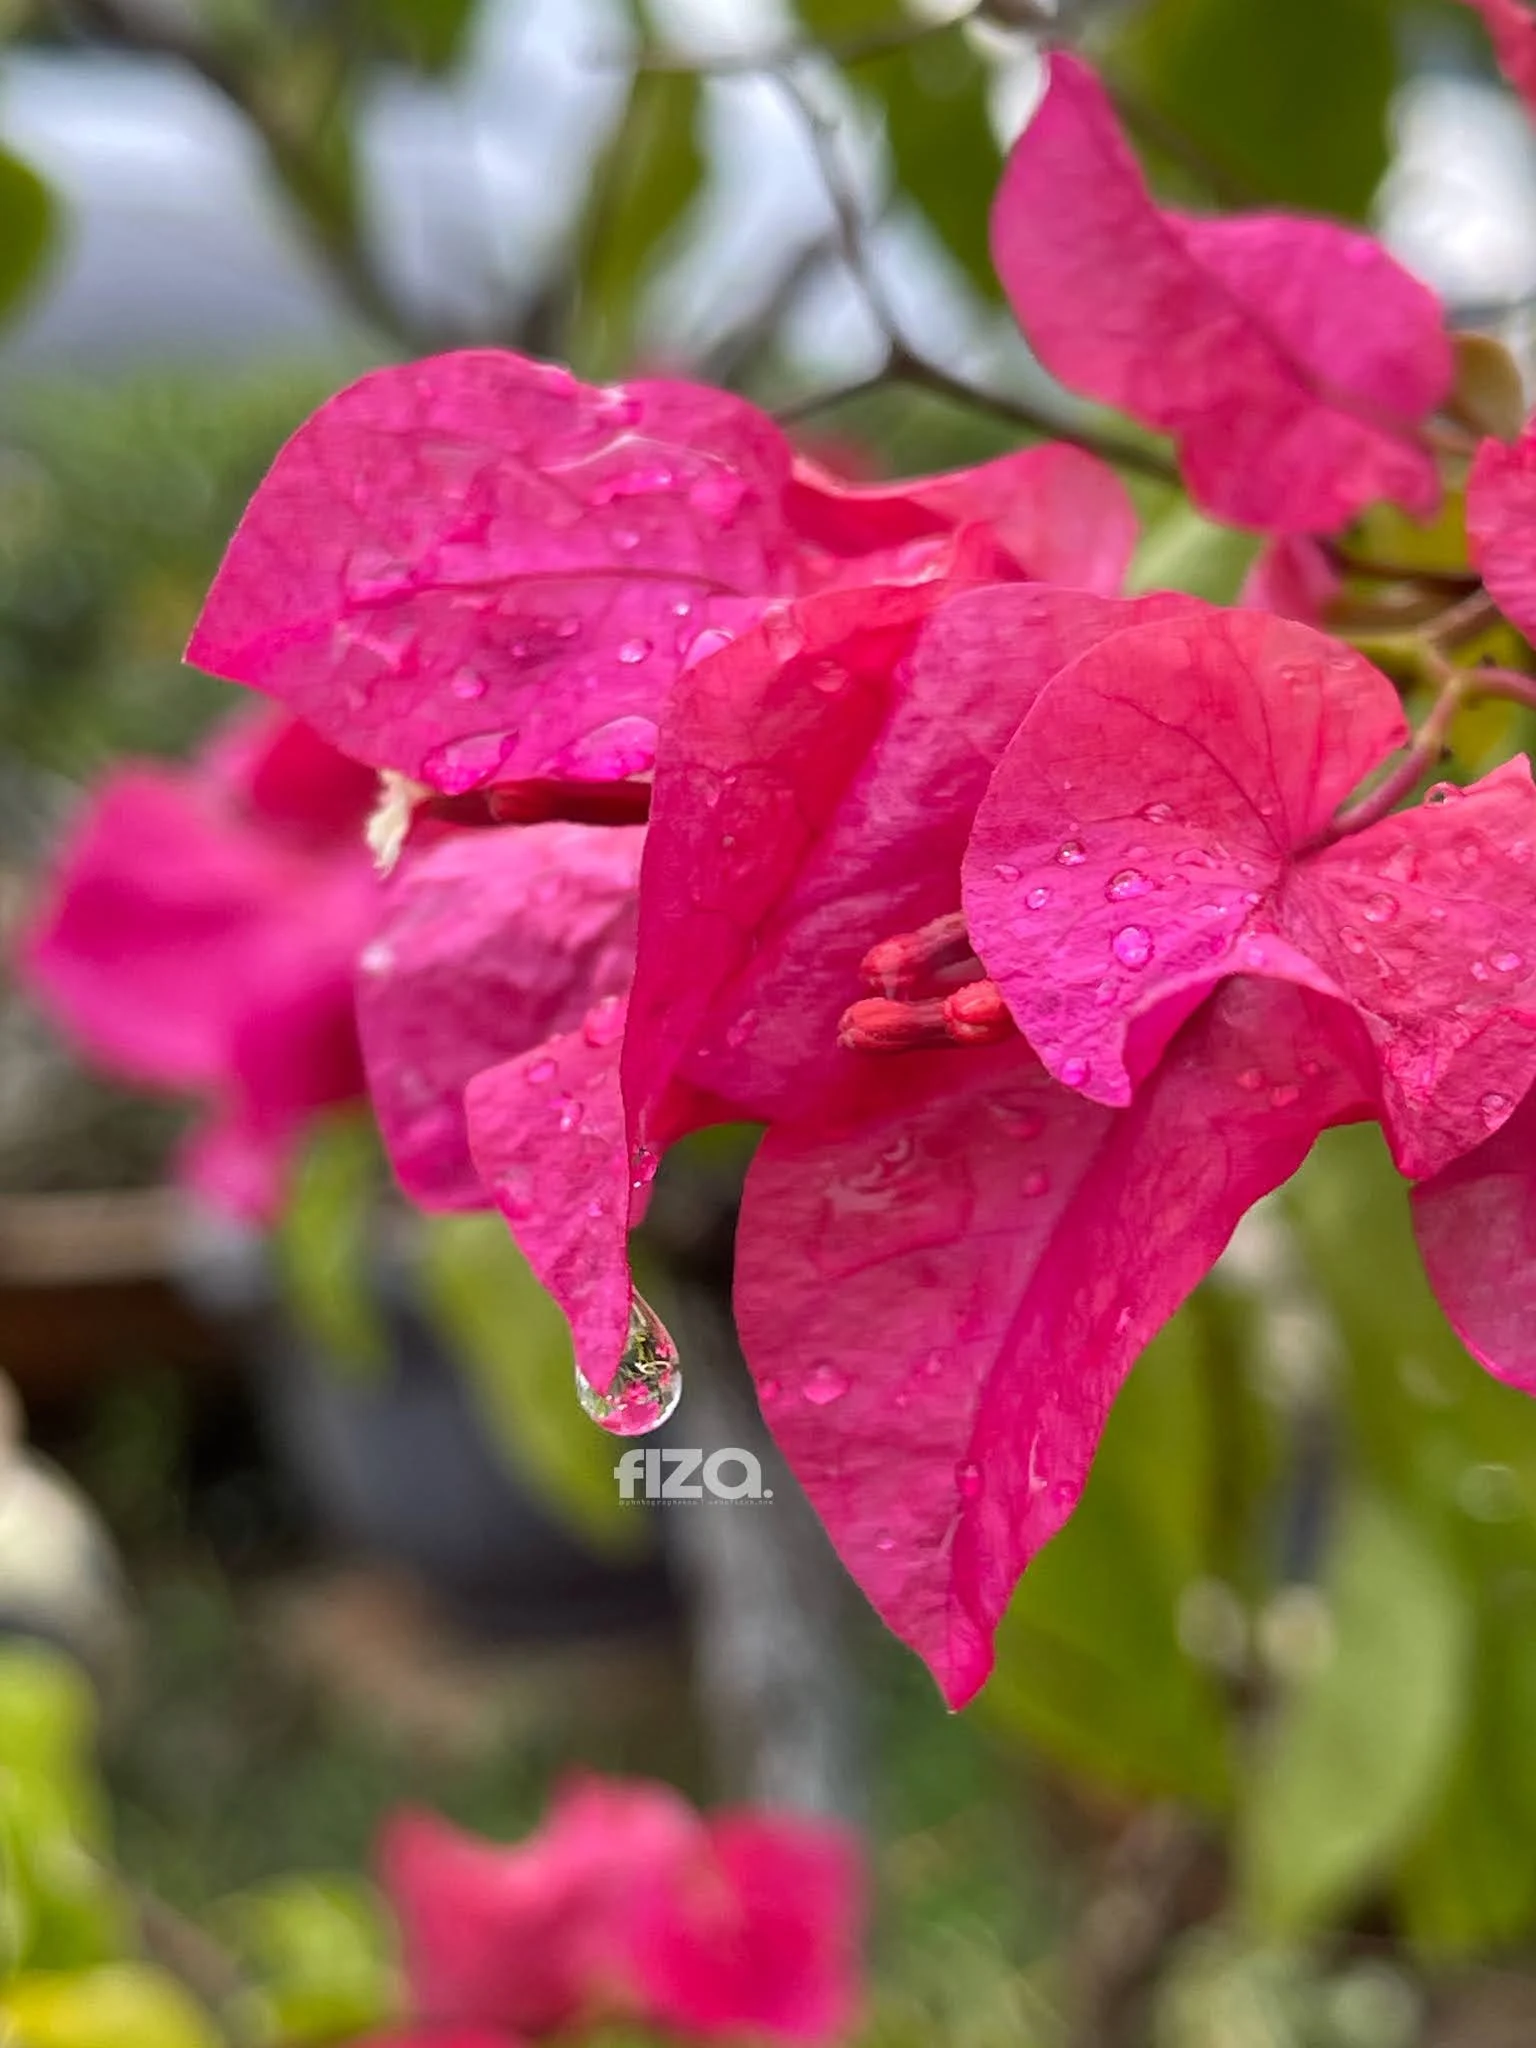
(1293, 360)
(1501, 525)
(476, 570)
(198, 933)
(1156, 826)
(628, 1904)
(1512, 29)
(488, 944)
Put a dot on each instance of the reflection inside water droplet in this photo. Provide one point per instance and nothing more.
(648, 1385)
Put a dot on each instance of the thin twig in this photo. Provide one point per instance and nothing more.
(1460, 621)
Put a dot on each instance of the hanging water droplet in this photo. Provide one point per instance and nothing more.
(643, 1162)
(1132, 947)
(1442, 793)
(648, 1384)
(1129, 882)
(1071, 854)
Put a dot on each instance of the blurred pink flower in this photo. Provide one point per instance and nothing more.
(1293, 361)
(1512, 28)
(626, 1903)
(198, 932)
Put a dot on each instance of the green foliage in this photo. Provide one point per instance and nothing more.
(1288, 103)
(126, 2004)
(1090, 1666)
(642, 187)
(28, 227)
(1362, 1741)
(1182, 550)
(515, 1347)
(429, 33)
(317, 1953)
(932, 95)
(326, 1244)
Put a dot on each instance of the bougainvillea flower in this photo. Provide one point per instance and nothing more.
(476, 571)
(628, 1904)
(198, 933)
(488, 943)
(1294, 578)
(1156, 825)
(813, 795)
(1501, 525)
(1512, 28)
(1476, 1226)
(1294, 361)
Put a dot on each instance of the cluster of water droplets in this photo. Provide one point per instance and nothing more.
(648, 1384)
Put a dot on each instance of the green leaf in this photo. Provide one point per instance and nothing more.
(28, 225)
(1183, 550)
(643, 185)
(1090, 1667)
(932, 93)
(318, 1954)
(428, 33)
(324, 1245)
(515, 1347)
(125, 2004)
(1361, 1748)
(1289, 101)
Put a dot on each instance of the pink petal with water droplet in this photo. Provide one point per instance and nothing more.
(489, 943)
(1294, 361)
(1501, 524)
(1251, 731)
(1062, 516)
(448, 564)
(984, 1336)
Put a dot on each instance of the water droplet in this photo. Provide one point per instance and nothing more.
(1106, 993)
(1381, 909)
(648, 1384)
(1255, 954)
(713, 640)
(625, 539)
(643, 1162)
(767, 1392)
(823, 1385)
(885, 1544)
(466, 685)
(1071, 854)
(934, 1364)
(1400, 865)
(540, 1072)
(718, 495)
(1005, 871)
(1442, 793)
(1038, 898)
(633, 652)
(571, 1112)
(1252, 1079)
(1073, 1073)
(567, 629)
(1157, 814)
(1493, 1108)
(1193, 857)
(1469, 853)
(604, 1022)
(377, 958)
(1353, 943)
(1283, 1096)
(1132, 947)
(1129, 882)
(1036, 1182)
(1479, 970)
(1506, 963)
(968, 1480)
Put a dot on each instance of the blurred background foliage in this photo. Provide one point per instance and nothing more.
(1256, 1768)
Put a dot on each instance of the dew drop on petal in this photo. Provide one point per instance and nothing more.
(1251, 1079)
(885, 1544)
(1506, 963)
(467, 685)
(1036, 1182)
(1442, 793)
(633, 652)
(1380, 909)
(968, 1480)
(1132, 946)
(1129, 882)
(540, 1072)
(1071, 853)
(604, 1022)
(570, 1113)
(1073, 1072)
(1038, 898)
(1493, 1108)
(648, 1384)
(1157, 814)
(767, 1392)
(1283, 1096)
(824, 1385)
(1005, 871)
(1352, 941)
(643, 1162)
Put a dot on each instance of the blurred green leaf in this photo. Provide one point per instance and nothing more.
(1385, 534)
(515, 1347)
(1089, 1666)
(325, 1246)
(642, 185)
(1183, 550)
(28, 225)
(1362, 1745)
(318, 1955)
(1489, 393)
(1289, 101)
(124, 2005)
(933, 96)
(428, 33)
